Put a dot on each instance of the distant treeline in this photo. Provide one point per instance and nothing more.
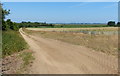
(9, 25)
(112, 23)
(34, 24)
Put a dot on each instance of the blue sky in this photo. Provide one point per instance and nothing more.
(60, 1)
(63, 12)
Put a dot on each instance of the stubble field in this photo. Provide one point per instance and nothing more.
(107, 43)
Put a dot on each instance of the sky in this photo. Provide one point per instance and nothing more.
(119, 11)
(60, 0)
(63, 12)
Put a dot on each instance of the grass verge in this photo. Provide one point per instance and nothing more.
(12, 42)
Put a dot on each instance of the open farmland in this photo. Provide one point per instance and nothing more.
(59, 38)
(79, 25)
(96, 53)
(101, 42)
(75, 29)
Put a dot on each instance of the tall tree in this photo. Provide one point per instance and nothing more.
(4, 13)
(10, 24)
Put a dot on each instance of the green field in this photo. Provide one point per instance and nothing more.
(72, 26)
(12, 42)
(78, 25)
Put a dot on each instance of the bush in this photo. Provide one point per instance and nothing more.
(111, 23)
(12, 42)
(11, 25)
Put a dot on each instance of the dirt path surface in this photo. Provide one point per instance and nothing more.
(56, 57)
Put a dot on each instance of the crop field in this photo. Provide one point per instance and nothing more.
(70, 26)
(79, 25)
(102, 42)
(99, 31)
(12, 43)
(75, 29)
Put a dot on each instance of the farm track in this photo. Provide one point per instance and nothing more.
(56, 57)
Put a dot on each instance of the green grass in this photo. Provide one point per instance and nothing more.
(74, 26)
(0, 43)
(12, 42)
(78, 26)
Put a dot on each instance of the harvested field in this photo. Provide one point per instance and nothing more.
(75, 29)
(70, 53)
(102, 43)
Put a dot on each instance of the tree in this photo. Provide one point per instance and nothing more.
(10, 24)
(111, 23)
(4, 13)
(15, 26)
(51, 25)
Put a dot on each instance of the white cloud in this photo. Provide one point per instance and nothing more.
(60, 0)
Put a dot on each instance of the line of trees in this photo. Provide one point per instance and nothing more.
(34, 24)
(112, 23)
(9, 25)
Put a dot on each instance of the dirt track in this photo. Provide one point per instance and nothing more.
(56, 57)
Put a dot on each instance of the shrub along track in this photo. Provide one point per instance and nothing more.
(56, 57)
